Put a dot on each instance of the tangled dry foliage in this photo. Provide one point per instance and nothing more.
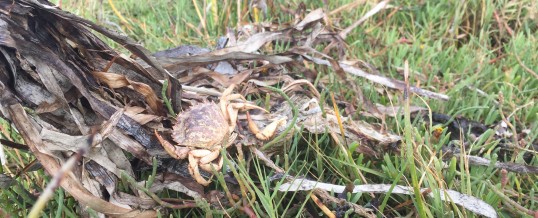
(76, 100)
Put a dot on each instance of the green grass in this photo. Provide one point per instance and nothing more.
(456, 47)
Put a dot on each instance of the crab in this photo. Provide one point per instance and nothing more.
(203, 130)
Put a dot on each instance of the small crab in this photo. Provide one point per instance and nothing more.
(203, 130)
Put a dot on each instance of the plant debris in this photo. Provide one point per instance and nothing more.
(471, 203)
(89, 113)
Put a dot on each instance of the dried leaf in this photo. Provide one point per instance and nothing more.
(396, 110)
(313, 16)
(225, 68)
(143, 119)
(127, 199)
(391, 83)
(230, 53)
(55, 141)
(513, 167)
(130, 145)
(62, 68)
(252, 44)
(69, 182)
(471, 203)
(372, 133)
(381, 5)
(46, 107)
(118, 81)
(177, 183)
(314, 122)
(127, 42)
(182, 50)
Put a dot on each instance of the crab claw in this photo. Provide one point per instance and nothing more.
(246, 106)
(268, 132)
(174, 151)
(233, 109)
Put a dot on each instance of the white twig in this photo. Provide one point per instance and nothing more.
(370, 13)
(391, 83)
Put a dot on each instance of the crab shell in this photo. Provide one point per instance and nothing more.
(202, 126)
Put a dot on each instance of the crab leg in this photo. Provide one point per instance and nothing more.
(199, 153)
(208, 167)
(229, 110)
(210, 157)
(234, 96)
(224, 100)
(174, 151)
(228, 90)
(195, 171)
(205, 157)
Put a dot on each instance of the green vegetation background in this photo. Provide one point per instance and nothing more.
(473, 51)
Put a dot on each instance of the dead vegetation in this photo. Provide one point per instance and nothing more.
(93, 116)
